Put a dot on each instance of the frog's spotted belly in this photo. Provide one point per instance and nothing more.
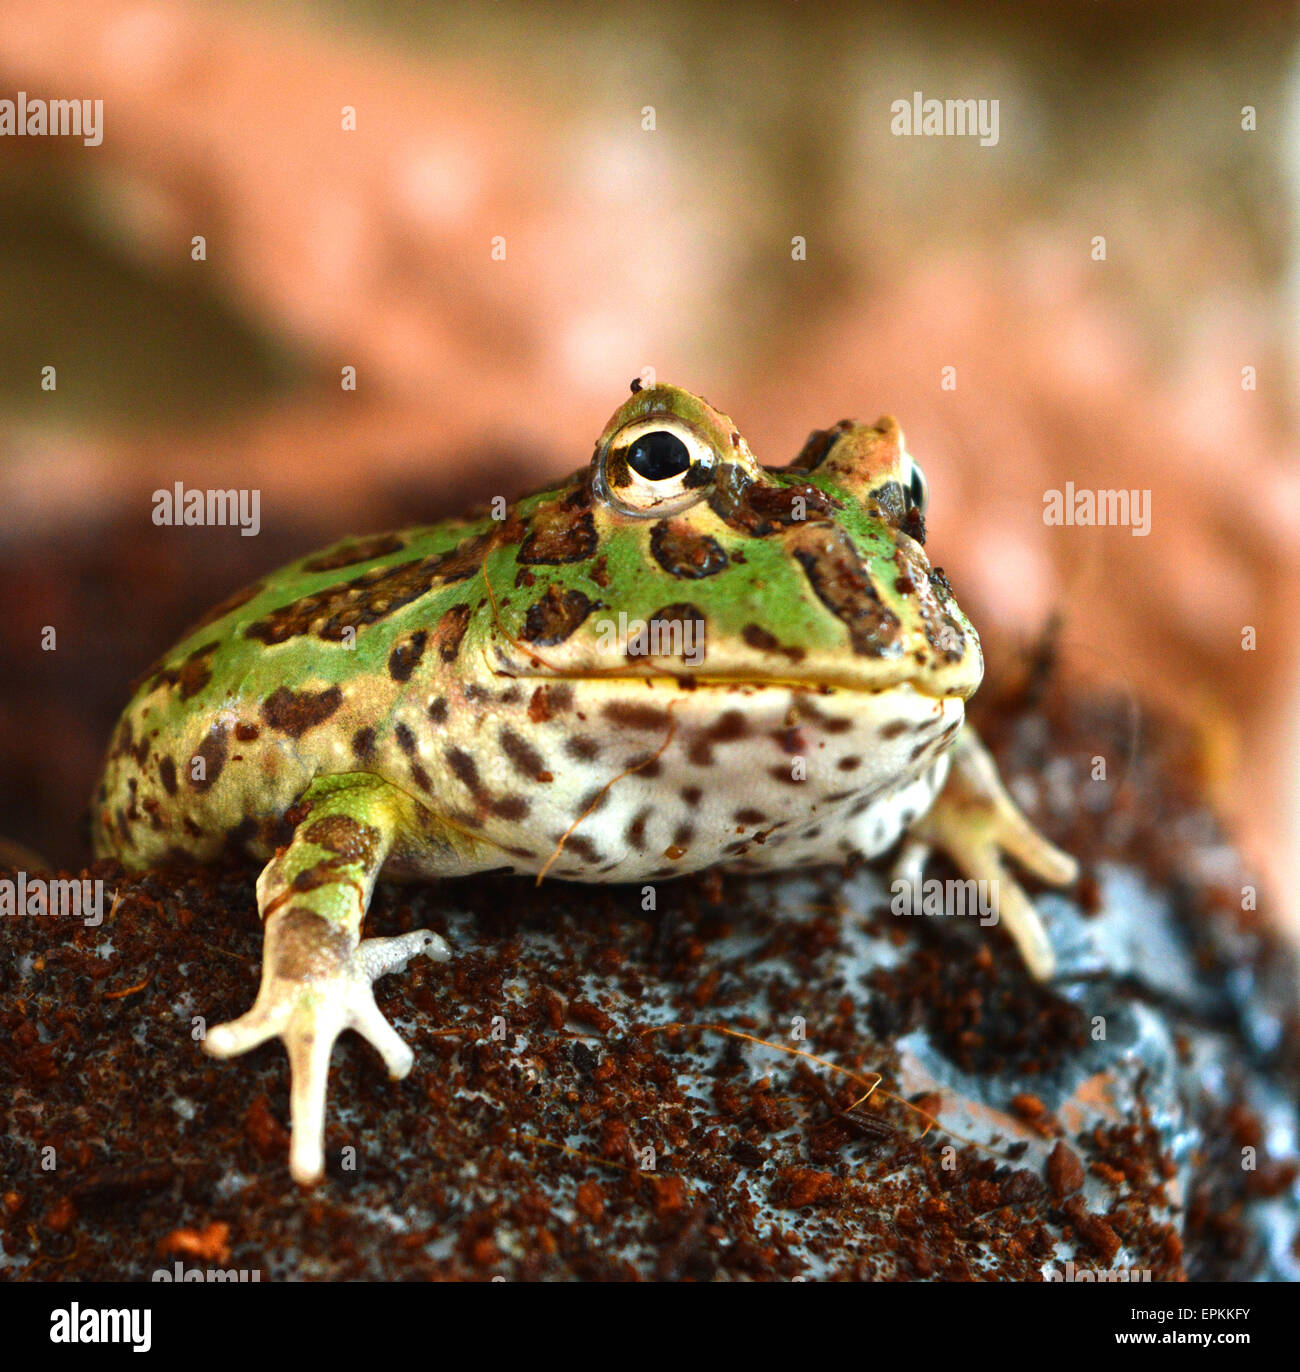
(617, 787)
(740, 776)
(648, 783)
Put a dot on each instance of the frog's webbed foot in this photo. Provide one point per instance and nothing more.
(975, 822)
(317, 972)
(326, 990)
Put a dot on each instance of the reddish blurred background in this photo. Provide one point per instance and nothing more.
(629, 247)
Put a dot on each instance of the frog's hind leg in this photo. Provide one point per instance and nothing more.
(975, 822)
(316, 969)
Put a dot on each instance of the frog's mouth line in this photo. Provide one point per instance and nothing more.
(685, 685)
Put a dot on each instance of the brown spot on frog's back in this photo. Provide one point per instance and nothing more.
(124, 744)
(759, 508)
(555, 616)
(406, 654)
(338, 611)
(764, 642)
(450, 632)
(582, 747)
(510, 807)
(841, 581)
(212, 753)
(730, 727)
(560, 534)
(581, 847)
(464, 769)
(296, 712)
(191, 675)
(683, 552)
(674, 631)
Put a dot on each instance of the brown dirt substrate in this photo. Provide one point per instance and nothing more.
(555, 1127)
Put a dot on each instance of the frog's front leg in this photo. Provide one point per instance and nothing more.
(316, 970)
(975, 822)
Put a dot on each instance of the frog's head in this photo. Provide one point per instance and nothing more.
(677, 554)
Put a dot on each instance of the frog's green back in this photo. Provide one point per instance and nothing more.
(377, 652)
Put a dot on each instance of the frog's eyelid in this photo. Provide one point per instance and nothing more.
(697, 445)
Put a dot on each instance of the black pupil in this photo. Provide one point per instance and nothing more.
(917, 488)
(658, 456)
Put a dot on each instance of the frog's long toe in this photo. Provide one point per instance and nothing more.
(317, 971)
(308, 1013)
(975, 822)
(375, 958)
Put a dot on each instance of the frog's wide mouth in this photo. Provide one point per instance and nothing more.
(673, 648)
(686, 684)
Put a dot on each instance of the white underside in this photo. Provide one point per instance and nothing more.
(867, 763)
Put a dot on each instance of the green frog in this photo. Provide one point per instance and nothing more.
(674, 659)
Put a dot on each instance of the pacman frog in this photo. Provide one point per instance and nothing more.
(675, 659)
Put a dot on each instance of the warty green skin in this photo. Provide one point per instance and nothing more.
(455, 699)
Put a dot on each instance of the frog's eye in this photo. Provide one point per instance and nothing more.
(915, 484)
(656, 466)
(659, 455)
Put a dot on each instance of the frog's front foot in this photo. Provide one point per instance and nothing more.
(316, 984)
(975, 822)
